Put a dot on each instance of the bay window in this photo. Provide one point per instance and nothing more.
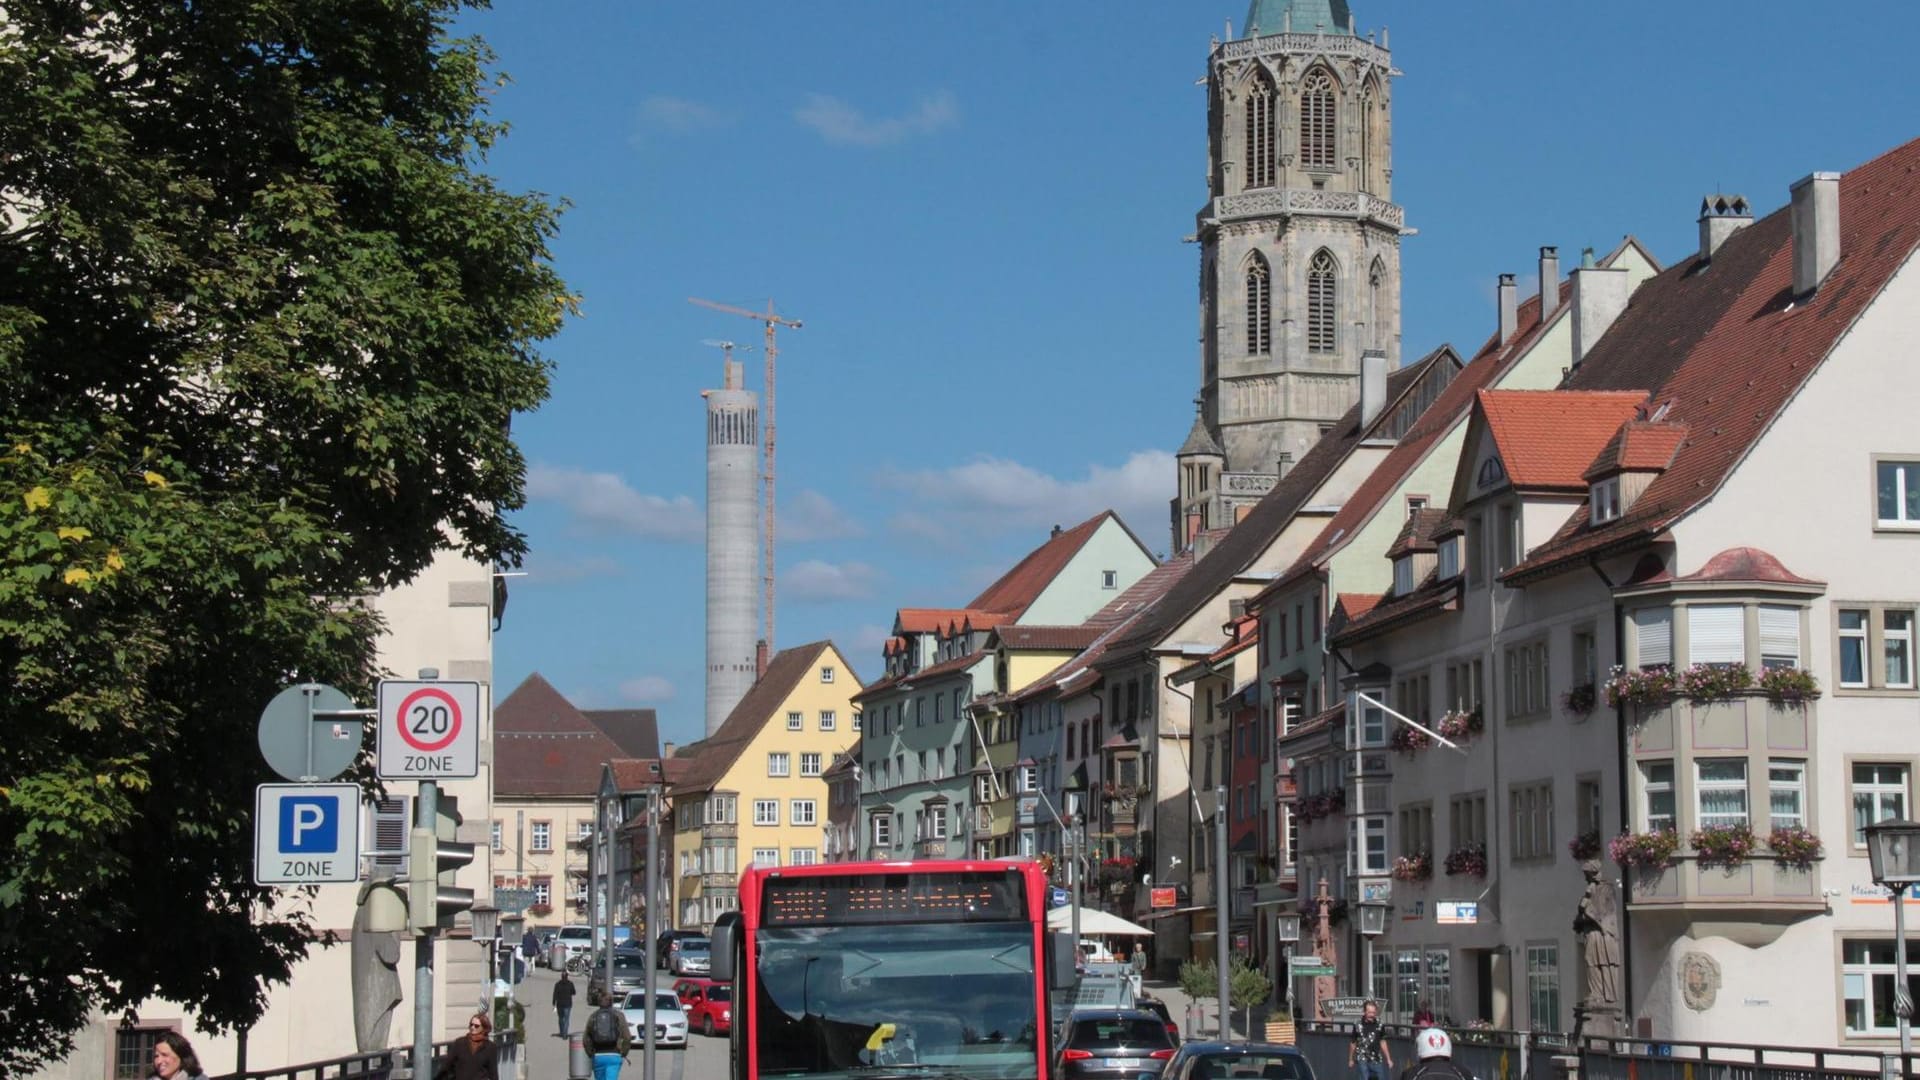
(1656, 788)
(1720, 791)
(1653, 637)
(1716, 634)
(1787, 793)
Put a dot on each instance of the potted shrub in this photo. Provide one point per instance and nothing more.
(1409, 740)
(1469, 859)
(1585, 846)
(1710, 682)
(1639, 686)
(1795, 847)
(1580, 700)
(1461, 726)
(1415, 867)
(1647, 851)
(1789, 684)
(1721, 845)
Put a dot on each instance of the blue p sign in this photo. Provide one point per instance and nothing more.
(309, 824)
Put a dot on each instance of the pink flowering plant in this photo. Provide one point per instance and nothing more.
(1585, 846)
(1638, 686)
(1647, 851)
(1580, 700)
(1409, 740)
(1312, 808)
(1415, 867)
(1789, 684)
(1722, 845)
(1460, 725)
(1470, 859)
(1795, 847)
(1713, 682)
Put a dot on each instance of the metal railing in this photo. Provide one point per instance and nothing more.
(380, 1064)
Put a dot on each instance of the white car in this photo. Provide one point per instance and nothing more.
(669, 1021)
(578, 939)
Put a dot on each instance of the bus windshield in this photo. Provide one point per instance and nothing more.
(949, 998)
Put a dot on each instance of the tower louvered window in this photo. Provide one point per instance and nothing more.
(1366, 140)
(1320, 303)
(1259, 307)
(1260, 127)
(1376, 304)
(1316, 121)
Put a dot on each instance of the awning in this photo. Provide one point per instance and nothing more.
(1175, 911)
(1272, 903)
(1095, 921)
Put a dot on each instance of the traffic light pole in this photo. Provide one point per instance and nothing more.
(425, 816)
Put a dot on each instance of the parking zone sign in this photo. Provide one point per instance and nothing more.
(306, 834)
(429, 730)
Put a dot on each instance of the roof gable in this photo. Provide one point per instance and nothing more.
(716, 754)
(1018, 588)
(1545, 439)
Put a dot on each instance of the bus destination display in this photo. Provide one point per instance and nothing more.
(892, 898)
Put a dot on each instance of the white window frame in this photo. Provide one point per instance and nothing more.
(1543, 984)
(796, 720)
(829, 720)
(802, 812)
(809, 763)
(498, 836)
(1787, 777)
(826, 674)
(1653, 637)
(1779, 636)
(540, 837)
(1449, 558)
(1717, 634)
(766, 856)
(1899, 467)
(1857, 983)
(1848, 636)
(1603, 503)
(1888, 638)
(880, 829)
(1367, 846)
(1879, 792)
(1109, 579)
(1403, 575)
(1702, 786)
(766, 811)
(779, 763)
(1650, 788)
(937, 819)
(803, 856)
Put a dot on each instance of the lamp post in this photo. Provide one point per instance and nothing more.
(1072, 792)
(1286, 931)
(1893, 853)
(486, 933)
(1373, 923)
(512, 924)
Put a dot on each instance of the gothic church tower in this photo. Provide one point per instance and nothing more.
(1299, 247)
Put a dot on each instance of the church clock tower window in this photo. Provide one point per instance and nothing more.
(1316, 121)
(1260, 128)
(1259, 307)
(1320, 303)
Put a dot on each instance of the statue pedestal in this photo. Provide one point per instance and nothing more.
(1599, 1021)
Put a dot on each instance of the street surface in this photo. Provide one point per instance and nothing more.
(546, 1056)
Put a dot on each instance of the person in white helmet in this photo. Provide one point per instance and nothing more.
(1433, 1058)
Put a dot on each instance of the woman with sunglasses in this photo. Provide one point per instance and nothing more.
(475, 1057)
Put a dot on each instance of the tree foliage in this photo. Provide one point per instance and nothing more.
(264, 323)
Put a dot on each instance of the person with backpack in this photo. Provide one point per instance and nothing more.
(1433, 1058)
(563, 1004)
(607, 1038)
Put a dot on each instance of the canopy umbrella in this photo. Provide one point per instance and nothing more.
(1095, 921)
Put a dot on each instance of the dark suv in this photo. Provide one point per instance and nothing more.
(1112, 1044)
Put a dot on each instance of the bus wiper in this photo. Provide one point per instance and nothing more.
(910, 1071)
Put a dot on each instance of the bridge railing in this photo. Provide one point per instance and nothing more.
(381, 1064)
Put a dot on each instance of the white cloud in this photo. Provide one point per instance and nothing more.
(646, 689)
(868, 639)
(818, 581)
(996, 495)
(602, 502)
(810, 515)
(838, 122)
(665, 113)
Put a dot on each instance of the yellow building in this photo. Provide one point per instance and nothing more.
(755, 792)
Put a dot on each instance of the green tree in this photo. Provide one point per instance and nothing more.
(1248, 987)
(264, 323)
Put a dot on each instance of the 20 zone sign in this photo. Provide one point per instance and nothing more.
(429, 730)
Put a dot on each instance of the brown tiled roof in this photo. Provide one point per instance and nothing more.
(718, 752)
(1452, 406)
(535, 705)
(1352, 605)
(1430, 596)
(1419, 531)
(635, 731)
(1724, 346)
(878, 687)
(1115, 618)
(636, 774)
(1019, 587)
(543, 746)
(1639, 446)
(930, 620)
(1319, 720)
(1547, 438)
(1048, 637)
(1245, 541)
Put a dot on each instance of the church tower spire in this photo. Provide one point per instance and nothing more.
(1299, 238)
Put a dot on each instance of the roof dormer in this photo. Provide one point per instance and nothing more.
(1640, 451)
(1415, 552)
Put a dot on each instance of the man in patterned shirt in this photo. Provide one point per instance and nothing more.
(1368, 1050)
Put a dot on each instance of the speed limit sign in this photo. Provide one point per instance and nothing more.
(429, 730)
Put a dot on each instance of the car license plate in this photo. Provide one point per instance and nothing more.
(1125, 1063)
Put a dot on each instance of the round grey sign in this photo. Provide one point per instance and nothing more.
(301, 741)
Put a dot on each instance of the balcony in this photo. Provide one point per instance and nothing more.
(1759, 883)
(931, 849)
(723, 831)
(1737, 722)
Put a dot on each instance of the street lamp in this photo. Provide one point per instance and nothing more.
(1286, 931)
(1893, 854)
(486, 933)
(1373, 923)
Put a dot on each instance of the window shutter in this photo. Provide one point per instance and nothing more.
(1653, 629)
(1780, 634)
(1716, 634)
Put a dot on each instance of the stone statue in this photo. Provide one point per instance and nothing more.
(1598, 924)
(375, 960)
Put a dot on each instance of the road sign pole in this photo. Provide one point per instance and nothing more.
(425, 816)
(1221, 973)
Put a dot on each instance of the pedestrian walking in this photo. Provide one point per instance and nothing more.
(174, 1059)
(476, 1057)
(1368, 1053)
(607, 1038)
(529, 946)
(563, 1003)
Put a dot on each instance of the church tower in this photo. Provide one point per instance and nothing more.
(1299, 243)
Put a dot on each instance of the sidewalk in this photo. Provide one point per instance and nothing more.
(545, 1057)
(1197, 1020)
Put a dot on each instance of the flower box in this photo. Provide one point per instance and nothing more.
(540, 911)
(1415, 867)
(1580, 700)
(1721, 845)
(1638, 686)
(1789, 684)
(1470, 859)
(1648, 851)
(1710, 682)
(1312, 808)
(1460, 726)
(1409, 740)
(1585, 846)
(1795, 847)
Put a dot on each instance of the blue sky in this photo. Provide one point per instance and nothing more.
(978, 209)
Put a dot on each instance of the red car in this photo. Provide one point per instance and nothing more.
(708, 1005)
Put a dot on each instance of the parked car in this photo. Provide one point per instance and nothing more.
(1238, 1061)
(708, 1004)
(629, 974)
(578, 938)
(691, 956)
(663, 945)
(669, 1019)
(1112, 1044)
(1159, 1008)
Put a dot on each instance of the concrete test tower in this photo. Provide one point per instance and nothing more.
(733, 456)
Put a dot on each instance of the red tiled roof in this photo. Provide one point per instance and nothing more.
(637, 774)
(948, 667)
(1048, 637)
(1419, 532)
(1639, 446)
(1353, 605)
(542, 745)
(1741, 564)
(930, 620)
(715, 754)
(635, 731)
(1450, 408)
(1019, 587)
(1725, 345)
(1430, 596)
(1547, 438)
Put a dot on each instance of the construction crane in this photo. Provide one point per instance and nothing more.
(726, 358)
(771, 321)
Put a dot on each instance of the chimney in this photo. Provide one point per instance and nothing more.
(1509, 308)
(666, 749)
(1549, 282)
(1720, 217)
(1054, 533)
(759, 659)
(1599, 296)
(1373, 385)
(1284, 463)
(1816, 230)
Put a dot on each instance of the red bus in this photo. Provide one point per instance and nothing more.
(878, 969)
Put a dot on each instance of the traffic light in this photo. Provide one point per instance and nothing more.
(432, 860)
